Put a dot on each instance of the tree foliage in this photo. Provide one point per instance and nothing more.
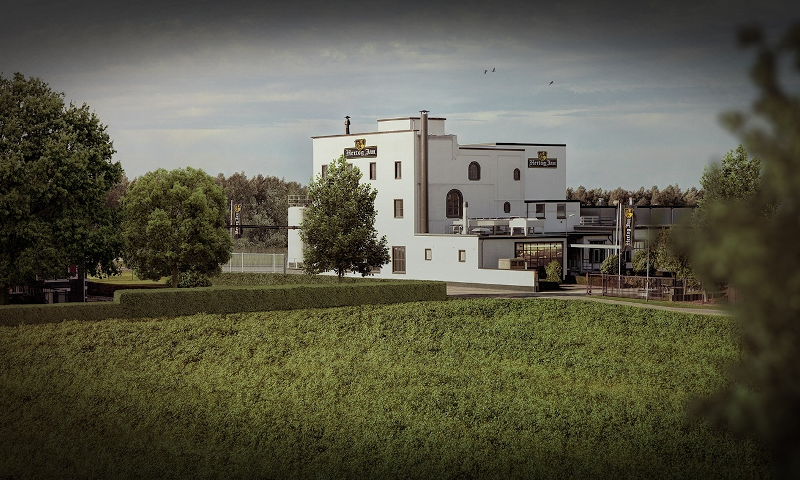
(643, 260)
(737, 178)
(670, 256)
(610, 265)
(338, 227)
(747, 248)
(175, 222)
(55, 176)
(264, 201)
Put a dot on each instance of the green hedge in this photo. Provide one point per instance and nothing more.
(171, 301)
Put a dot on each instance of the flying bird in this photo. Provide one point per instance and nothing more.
(492, 69)
(551, 82)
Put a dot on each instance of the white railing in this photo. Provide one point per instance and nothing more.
(298, 201)
(590, 220)
(256, 263)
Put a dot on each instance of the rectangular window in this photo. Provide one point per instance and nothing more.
(398, 259)
(540, 210)
(324, 170)
(561, 210)
(428, 254)
(398, 208)
(373, 171)
(462, 255)
(349, 167)
(398, 172)
(538, 255)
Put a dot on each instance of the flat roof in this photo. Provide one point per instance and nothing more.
(512, 144)
(368, 133)
(409, 118)
(467, 147)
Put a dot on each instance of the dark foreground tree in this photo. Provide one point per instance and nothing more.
(338, 227)
(55, 176)
(751, 250)
(175, 222)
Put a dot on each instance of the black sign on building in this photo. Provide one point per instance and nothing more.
(361, 150)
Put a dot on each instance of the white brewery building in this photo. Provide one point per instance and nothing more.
(492, 213)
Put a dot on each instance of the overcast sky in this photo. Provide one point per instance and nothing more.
(233, 86)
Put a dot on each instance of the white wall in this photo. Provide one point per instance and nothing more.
(392, 147)
(546, 183)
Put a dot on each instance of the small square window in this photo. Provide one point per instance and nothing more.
(540, 210)
(462, 255)
(398, 208)
(428, 254)
(398, 171)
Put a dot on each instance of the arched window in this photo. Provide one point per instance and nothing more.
(453, 203)
(474, 171)
(516, 174)
(507, 207)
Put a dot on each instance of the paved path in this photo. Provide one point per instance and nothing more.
(571, 292)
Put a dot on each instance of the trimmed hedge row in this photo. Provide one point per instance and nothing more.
(173, 302)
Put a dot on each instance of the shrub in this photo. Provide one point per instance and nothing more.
(610, 265)
(553, 270)
(192, 279)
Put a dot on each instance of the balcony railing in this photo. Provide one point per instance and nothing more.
(499, 226)
(597, 221)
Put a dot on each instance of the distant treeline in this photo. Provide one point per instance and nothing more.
(264, 202)
(671, 195)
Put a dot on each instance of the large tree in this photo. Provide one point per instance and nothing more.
(338, 227)
(55, 176)
(748, 245)
(175, 222)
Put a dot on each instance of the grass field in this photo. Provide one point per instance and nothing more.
(459, 389)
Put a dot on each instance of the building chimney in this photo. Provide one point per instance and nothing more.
(423, 171)
(347, 125)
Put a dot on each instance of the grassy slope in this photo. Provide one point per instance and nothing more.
(457, 389)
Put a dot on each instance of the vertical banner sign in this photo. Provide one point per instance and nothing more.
(629, 224)
(237, 220)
